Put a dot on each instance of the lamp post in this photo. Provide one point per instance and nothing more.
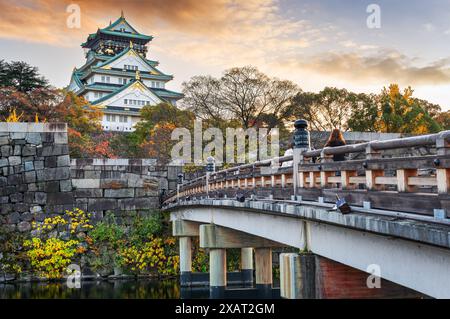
(180, 178)
(302, 143)
(210, 168)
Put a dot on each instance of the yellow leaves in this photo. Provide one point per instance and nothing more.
(51, 257)
(13, 117)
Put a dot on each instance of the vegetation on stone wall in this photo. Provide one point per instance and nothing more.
(144, 247)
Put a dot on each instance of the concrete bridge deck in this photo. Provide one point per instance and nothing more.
(398, 222)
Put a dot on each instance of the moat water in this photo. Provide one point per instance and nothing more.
(104, 289)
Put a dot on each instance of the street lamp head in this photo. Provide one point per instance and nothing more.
(210, 164)
(180, 178)
(301, 135)
(301, 124)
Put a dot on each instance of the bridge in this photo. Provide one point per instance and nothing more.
(391, 223)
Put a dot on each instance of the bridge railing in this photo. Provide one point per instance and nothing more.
(383, 177)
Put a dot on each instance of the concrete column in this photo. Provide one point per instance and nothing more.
(247, 266)
(217, 273)
(297, 276)
(263, 263)
(185, 261)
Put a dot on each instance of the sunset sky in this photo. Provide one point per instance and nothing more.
(315, 43)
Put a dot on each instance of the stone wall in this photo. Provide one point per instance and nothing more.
(34, 173)
(38, 178)
(123, 186)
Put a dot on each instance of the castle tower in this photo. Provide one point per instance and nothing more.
(118, 77)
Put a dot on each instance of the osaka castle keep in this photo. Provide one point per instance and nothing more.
(118, 77)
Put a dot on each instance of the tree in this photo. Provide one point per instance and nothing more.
(243, 94)
(331, 108)
(202, 97)
(152, 135)
(401, 113)
(443, 119)
(22, 76)
(364, 112)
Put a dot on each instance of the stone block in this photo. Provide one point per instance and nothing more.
(138, 203)
(134, 180)
(53, 174)
(4, 200)
(48, 137)
(24, 227)
(102, 204)
(28, 197)
(51, 162)
(40, 198)
(63, 160)
(38, 165)
(30, 177)
(29, 150)
(86, 183)
(15, 198)
(21, 207)
(15, 179)
(92, 174)
(3, 162)
(6, 150)
(13, 218)
(54, 150)
(17, 150)
(52, 187)
(65, 186)
(33, 138)
(60, 198)
(6, 208)
(60, 138)
(27, 217)
(145, 192)
(4, 140)
(14, 160)
(17, 135)
(88, 193)
(119, 193)
(3, 181)
(28, 166)
(113, 183)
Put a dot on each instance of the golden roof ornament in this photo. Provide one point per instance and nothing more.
(138, 75)
(131, 44)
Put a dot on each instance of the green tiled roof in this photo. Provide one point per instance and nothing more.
(161, 93)
(109, 31)
(167, 93)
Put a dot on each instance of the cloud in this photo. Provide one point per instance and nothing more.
(45, 20)
(386, 66)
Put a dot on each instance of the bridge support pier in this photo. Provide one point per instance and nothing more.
(217, 273)
(298, 276)
(247, 266)
(263, 261)
(185, 260)
(185, 230)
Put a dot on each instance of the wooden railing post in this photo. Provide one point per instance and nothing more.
(443, 174)
(371, 175)
(403, 176)
(345, 179)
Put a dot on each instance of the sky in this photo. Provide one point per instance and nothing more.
(314, 43)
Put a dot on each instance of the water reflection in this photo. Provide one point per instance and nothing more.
(117, 289)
